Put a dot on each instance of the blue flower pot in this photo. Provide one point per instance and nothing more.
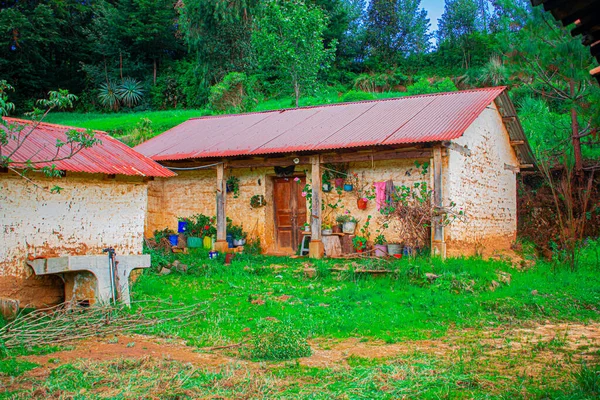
(348, 187)
(173, 239)
(182, 226)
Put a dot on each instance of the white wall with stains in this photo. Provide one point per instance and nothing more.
(90, 213)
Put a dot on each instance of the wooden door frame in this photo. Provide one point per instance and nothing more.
(275, 225)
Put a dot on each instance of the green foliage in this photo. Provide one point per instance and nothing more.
(200, 225)
(234, 93)
(288, 39)
(277, 342)
(13, 367)
(127, 93)
(424, 86)
(588, 379)
(357, 95)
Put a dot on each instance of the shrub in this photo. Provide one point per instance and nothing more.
(277, 342)
(357, 95)
(234, 92)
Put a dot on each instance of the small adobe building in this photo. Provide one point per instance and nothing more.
(472, 140)
(102, 204)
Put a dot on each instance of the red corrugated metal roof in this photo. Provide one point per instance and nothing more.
(108, 157)
(415, 119)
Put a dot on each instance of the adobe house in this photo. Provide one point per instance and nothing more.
(472, 139)
(102, 204)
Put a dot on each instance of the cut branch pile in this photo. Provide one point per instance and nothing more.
(65, 322)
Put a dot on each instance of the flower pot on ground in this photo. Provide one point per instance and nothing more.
(381, 250)
(394, 249)
(348, 187)
(359, 243)
(362, 203)
(173, 239)
(339, 182)
(239, 242)
(207, 242)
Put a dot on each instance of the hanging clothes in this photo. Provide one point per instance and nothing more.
(380, 194)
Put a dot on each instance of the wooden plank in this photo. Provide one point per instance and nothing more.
(517, 142)
(464, 150)
(376, 156)
(512, 168)
(595, 71)
(221, 203)
(526, 166)
(509, 119)
(438, 246)
(315, 220)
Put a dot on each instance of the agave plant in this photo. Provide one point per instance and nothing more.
(108, 95)
(130, 92)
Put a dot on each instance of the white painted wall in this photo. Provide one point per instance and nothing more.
(89, 214)
(483, 188)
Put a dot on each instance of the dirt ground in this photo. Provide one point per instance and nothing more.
(583, 340)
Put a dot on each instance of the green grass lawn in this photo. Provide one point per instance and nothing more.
(463, 328)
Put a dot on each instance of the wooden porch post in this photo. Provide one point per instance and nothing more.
(221, 243)
(438, 241)
(316, 249)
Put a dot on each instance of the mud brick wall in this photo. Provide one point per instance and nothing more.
(483, 188)
(90, 213)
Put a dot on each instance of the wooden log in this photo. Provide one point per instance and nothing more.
(464, 150)
(517, 142)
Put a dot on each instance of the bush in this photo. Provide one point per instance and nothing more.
(357, 95)
(277, 342)
(424, 86)
(235, 92)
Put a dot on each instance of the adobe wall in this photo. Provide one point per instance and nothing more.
(483, 188)
(89, 214)
(193, 192)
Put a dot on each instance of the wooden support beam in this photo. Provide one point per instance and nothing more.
(509, 119)
(512, 168)
(221, 243)
(595, 71)
(438, 245)
(517, 142)
(316, 249)
(526, 166)
(376, 156)
(464, 150)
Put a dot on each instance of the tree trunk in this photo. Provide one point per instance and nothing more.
(576, 140)
(297, 92)
(155, 72)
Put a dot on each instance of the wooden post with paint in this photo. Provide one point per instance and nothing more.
(316, 249)
(221, 243)
(438, 241)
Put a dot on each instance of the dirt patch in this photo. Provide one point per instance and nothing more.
(133, 347)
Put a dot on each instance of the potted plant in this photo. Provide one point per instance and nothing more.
(362, 203)
(338, 173)
(359, 243)
(341, 220)
(306, 227)
(233, 186)
(326, 230)
(199, 230)
(326, 182)
(350, 225)
(237, 234)
(380, 246)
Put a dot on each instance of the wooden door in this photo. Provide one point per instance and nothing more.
(290, 212)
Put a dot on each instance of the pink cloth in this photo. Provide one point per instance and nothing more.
(379, 194)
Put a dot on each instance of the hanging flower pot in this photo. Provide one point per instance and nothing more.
(362, 203)
(326, 187)
(348, 187)
(339, 182)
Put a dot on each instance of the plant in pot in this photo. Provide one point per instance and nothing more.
(341, 220)
(199, 230)
(326, 229)
(306, 227)
(338, 173)
(380, 245)
(233, 186)
(349, 226)
(359, 243)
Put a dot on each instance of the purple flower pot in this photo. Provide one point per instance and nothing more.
(381, 250)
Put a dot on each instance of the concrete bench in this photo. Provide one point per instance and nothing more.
(88, 277)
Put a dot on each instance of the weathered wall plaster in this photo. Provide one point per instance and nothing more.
(89, 214)
(482, 188)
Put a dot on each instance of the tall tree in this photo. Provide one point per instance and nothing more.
(555, 65)
(396, 29)
(288, 38)
(458, 25)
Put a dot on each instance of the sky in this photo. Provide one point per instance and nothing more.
(435, 9)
